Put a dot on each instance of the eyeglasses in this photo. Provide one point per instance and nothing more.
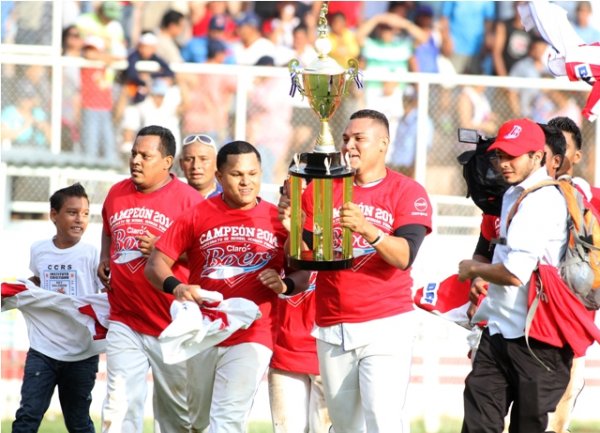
(202, 138)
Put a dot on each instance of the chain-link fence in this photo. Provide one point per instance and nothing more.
(63, 113)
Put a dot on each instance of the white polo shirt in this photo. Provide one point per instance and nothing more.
(537, 233)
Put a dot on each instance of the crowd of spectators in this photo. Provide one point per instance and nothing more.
(103, 104)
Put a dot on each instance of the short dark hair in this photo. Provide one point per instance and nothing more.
(566, 124)
(337, 15)
(65, 35)
(235, 148)
(170, 17)
(167, 140)
(582, 4)
(300, 28)
(372, 114)
(555, 140)
(57, 200)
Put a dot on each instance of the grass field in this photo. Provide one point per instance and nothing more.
(54, 424)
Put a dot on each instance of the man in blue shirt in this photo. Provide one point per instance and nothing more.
(468, 22)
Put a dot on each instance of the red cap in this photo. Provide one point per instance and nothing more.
(519, 136)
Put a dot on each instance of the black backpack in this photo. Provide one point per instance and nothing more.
(485, 185)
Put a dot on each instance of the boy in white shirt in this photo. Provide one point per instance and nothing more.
(65, 265)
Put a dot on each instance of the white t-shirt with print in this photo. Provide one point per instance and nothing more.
(71, 271)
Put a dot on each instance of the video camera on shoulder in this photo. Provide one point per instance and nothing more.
(485, 185)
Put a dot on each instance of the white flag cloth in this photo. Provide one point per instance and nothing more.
(63, 327)
(551, 22)
(573, 57)
(195, 328)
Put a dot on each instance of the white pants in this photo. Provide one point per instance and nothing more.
(365, 388)
(297, 403)
(129, 355)
(222, 383)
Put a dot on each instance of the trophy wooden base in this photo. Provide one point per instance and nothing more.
(309, 263)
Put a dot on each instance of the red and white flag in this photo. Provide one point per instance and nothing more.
(573, 57)
(71, 325)
(196, 328)
(448, 299)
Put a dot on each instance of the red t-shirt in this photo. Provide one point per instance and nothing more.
(372, 288)
(352, 10)
(96, 89)
(295, 349)
(128, 213)
(226, 250)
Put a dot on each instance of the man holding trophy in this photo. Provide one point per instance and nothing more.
(361, 225)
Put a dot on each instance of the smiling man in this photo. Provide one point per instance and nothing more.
(505, 369)
(365, 373)
(234, 245)
(137, 211)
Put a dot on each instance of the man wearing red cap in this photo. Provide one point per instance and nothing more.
(505, 369)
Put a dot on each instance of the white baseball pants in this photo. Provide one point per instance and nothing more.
(365, 388)
(129, 355)
(297, 403)
(560, 419)
(222, 383)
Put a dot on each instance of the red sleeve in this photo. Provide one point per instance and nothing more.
(179, 237)
(413, 208)
(105, 226)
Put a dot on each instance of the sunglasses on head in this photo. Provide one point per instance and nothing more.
(202, 138)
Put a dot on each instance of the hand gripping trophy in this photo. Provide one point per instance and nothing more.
(324, 82)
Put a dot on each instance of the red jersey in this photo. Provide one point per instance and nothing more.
(372, 288)
(595, 201)
(226, 250)
(295, 349)
(128, 213)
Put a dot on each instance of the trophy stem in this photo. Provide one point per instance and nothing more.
(296, 216)
(347, 233)
(327, 218)
(325, 143)
(319, 219)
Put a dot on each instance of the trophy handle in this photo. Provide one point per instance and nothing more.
(295, 72)
(353, 73)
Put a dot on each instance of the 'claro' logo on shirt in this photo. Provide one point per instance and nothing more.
(421, 204)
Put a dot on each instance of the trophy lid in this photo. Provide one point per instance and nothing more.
(323, 64)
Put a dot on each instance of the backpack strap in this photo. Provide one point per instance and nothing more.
(531, 313)
(515, 206)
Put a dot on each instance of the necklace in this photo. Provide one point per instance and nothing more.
(370, 184)
(257, 200)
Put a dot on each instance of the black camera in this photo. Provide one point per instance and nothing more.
(466, 135)
(485, 185)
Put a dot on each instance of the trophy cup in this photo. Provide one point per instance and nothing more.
(324, 82)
